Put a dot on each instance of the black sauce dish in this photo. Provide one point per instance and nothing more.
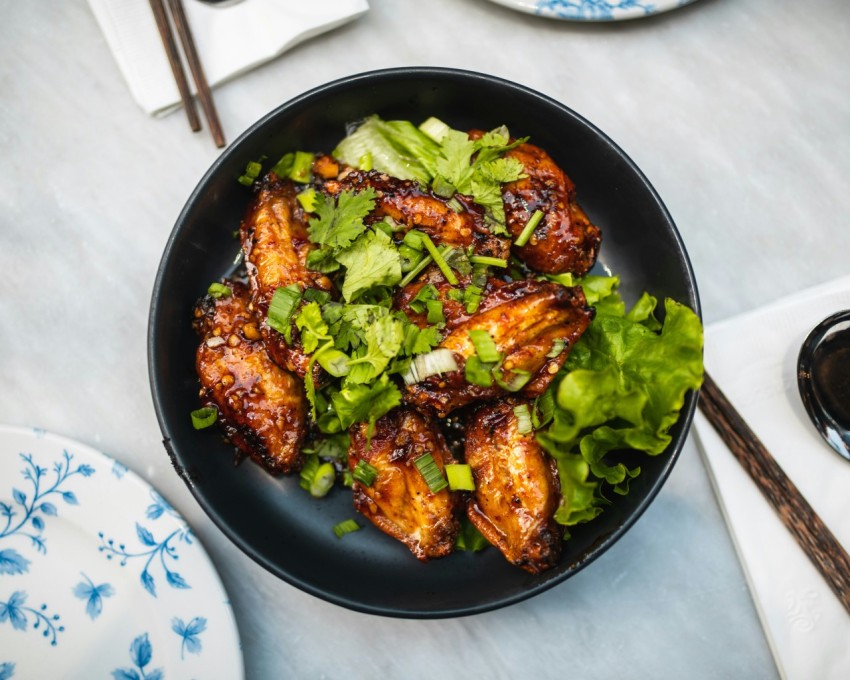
(272, 519)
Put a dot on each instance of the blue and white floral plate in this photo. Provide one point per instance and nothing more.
(593, 10)
(99, 576)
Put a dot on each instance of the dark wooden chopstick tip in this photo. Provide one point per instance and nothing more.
(817, 541)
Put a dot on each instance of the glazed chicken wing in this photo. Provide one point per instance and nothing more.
(414, 208)
(275, 246)
(525, 319)
(399, 501)
(516, 488)
(565, 241)
(261, 406)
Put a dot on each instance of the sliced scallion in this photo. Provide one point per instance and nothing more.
(413, 239)
(430, 472)
(334, 362)
(413, 273)
(282, 306)
(518, 380)
(431, 363)
(529, 228)
(485, 346)
(323, 480)
(439, 259)
(557, 347)
(364, 473)
(317, 295)
(204, 417)
(308, 472)
(218, 290)
(523, 419)
(307, 199)
(252, 171)
(302, 163)
(489, 261)
(410, 257)
(347, 526)
(478, 373)
(544, 409)
(435, 311)
(455, 205)
(460, 477)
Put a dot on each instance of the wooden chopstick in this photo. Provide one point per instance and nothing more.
(204, 94)
(176, 65)
(817, 541)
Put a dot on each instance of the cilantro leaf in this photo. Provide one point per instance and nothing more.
(338, 223)
(372, 260)
(361, 403)
(383, 341)
(312, 326)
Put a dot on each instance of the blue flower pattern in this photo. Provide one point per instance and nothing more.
(87, 590)
(141, 653)
(16, 612)
(189, 633)
(24, 516)
(591, 9)
(163, 552)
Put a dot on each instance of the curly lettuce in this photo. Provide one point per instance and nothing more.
(621, 390)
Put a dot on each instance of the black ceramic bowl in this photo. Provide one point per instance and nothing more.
(276, 522)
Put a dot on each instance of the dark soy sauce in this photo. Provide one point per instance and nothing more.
(831, 377)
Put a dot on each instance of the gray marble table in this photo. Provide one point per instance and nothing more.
(737, 110)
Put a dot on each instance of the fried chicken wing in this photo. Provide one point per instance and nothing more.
(414, 208)
(525, 319)
(516, 488)
(565, 240)
(261, 405)
(275, 246)
(399, 502)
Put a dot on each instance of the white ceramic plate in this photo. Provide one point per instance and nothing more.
(593, 10)
(99, 576)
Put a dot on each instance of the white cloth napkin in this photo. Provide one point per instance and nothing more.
(753, 359)
(230, 40)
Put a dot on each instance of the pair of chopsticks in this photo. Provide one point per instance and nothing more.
(181, 25)
(814, 537)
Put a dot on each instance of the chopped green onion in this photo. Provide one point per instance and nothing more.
(478, 373)
(435, 311)
(307, 199)
(455, 294)
(557, 347)
(523, 418)
(544, 409)
(529, 228)
(284, 166)
(439, 259)
(455, 205)
(489, 261)
(347, 526)
(413, 273)
(218, 290)
(365, 473)
(434, 128)
(317, 295)
(283, 304)
(347, 479)
(308, 472)
(431, 363)
(365, 162)
(516, 383)
(323, 480)
(252, 171)
(469, 538)
(384, 227)
(301, 166)
(460, 477)
(410, 257)
(413, 239)
(334, 362)
(425, 294)
(204, 417)
(430, 472)
(472, 298)
(485, 346)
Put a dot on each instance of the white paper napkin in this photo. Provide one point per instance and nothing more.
(753, 359)
(230, 40)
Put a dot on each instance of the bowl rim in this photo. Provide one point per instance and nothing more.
(369, 78)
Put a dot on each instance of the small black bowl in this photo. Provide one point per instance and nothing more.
(273, 520)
